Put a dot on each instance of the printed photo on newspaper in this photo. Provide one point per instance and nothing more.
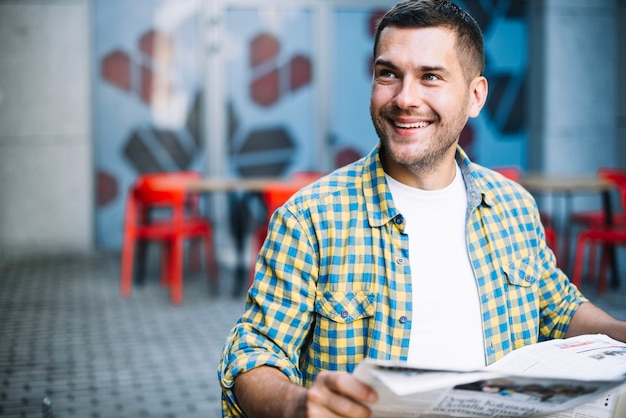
(580, 376)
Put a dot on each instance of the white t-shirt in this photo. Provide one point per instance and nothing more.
(446, 331)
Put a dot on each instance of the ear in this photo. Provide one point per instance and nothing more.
(478, 95)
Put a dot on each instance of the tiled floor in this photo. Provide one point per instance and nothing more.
(65, 333)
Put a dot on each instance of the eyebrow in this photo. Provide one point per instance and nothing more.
(422, 69)
(384, 63)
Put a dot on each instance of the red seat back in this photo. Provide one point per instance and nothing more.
(617, 177)
(511, 172)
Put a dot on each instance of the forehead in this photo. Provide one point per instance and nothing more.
(417, 44)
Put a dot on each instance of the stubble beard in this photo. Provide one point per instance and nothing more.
(424, 162)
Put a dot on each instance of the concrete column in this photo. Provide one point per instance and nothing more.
(46, 190)
(579, 74)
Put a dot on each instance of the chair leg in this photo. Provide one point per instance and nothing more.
(140, 262)
(604, 263)
(128, 248)
(165, 269)
(579, 260)
(211, 267)
(194, 256)
(127, 259)
(176, 270)
(551, 239)
(257, 243)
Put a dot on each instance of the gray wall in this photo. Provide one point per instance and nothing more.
(575, 101)
(577, 123)
(45, 139)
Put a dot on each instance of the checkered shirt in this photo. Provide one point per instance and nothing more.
(333, 281)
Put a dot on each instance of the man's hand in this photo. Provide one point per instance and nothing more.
(338, 394)
(266, 392)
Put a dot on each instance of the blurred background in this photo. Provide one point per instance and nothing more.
(94, 92)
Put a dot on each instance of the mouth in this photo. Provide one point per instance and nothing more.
(412, 125)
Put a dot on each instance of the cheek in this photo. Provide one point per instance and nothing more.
(381, 95)
(376, 100)
(453, 107)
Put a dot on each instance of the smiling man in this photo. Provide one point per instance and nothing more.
(403, 253)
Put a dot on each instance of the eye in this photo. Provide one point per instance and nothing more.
(431, 77)
(385, 73)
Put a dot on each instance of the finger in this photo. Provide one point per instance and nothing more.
(323, 402)
(350, 386)
(339, 393)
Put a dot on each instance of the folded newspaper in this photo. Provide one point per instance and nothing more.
(576, 377)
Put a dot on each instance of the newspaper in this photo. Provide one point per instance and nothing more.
(568, 378)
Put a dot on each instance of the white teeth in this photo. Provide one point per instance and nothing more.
(411, 125)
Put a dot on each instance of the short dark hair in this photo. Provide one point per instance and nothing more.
(433, 13)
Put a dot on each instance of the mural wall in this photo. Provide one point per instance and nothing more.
(270, 95)
(147, 98)
(281, 117)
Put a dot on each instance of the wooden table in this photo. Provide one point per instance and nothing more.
(567, 186)
(249, 185)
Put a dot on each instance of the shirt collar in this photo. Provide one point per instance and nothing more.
(479, 190)
(378, 199)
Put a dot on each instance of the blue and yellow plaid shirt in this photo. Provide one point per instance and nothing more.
(333, 281)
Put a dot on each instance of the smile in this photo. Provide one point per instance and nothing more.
(411, 125)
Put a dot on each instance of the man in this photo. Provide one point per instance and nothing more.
(408, 250)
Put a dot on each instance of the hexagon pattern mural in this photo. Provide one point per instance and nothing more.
(271, 114)
(147, 99)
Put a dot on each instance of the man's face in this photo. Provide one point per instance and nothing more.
(421, 98)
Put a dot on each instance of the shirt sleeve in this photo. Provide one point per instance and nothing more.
(559, 297)
(279, 308)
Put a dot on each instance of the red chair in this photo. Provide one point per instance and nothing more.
(274, 196)
(602, 233)
(515, 173)
(165, 193)
(596, 217)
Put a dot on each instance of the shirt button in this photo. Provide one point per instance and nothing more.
(403, 319)
(399, 219)
(400, 260)
(344, 314)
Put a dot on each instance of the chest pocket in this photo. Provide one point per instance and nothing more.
(342, 330)
(522, 272)
(522, 299)
(346, 307)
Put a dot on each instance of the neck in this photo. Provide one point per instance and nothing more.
(431, 178)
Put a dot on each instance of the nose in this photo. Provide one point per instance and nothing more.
(408, 94)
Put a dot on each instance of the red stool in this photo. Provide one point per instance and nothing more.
(165, 192)
(602, 233)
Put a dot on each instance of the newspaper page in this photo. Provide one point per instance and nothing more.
(570, 376)
(604, 406)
